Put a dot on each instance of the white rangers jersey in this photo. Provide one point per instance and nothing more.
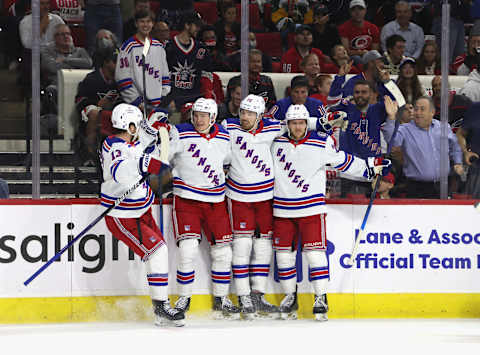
(129, 72)
(120, 172)
(250, 176)
(197, 160)
(300, 173)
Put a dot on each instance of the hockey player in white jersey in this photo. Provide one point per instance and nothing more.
(198, 153)
(129, 70)
(300, 158)
(250, 193)
(124, 161)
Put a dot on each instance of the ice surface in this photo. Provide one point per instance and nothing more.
(204, 336)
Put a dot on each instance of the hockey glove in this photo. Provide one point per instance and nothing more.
(331, 120)
(148, 163)
(148, 132)
(377, 166)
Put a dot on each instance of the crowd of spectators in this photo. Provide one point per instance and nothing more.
(315, 38)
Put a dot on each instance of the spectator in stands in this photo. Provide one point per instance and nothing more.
(339, 57)
(395, 45)
(161, 31)
(129, 27)
(459, 14)
(410, 32)
(298, 96)
(325, 34)
(228, 33)
(104, 40)
(468, 136)
(96, 96)
(466, 62)
(362, 135)
(323, 83)
(220, 61)
(173, 11)
(373, 72)
(406, 113)
(287, 15)
(48, 24)
(359, 36)
(408, 81)
(4, 192)
(429, 61)
(129, 71)
(303, 46)
(10, 42)
(189, 62)
(231, 107)
(61, 54)
(387, 183)
(259, 84)
(266, 59)
(471, 88)
(419, 141)
(186, 112)
(102, 14)
(310, 66)
(458, 105)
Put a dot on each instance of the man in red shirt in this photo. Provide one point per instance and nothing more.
(303, 46)
(357, 35)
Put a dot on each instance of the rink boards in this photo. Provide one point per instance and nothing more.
(420, 259)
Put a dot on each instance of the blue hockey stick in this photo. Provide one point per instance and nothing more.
(82, 233)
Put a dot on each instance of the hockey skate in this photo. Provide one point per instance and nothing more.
(165, 315)
(320, 308)
(289, 306)
(247, 307)
(183, 304)
(223, 308)
(264, 308)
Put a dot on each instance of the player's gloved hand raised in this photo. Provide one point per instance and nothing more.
(148, 132)
(331, 120)
(149, 163)
(377, 166)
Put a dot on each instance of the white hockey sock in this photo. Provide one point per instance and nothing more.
(260, 266)
(187, 253)
(242, 248)
(157, 273)
(318, 270)
(221, 268)
(287, 272)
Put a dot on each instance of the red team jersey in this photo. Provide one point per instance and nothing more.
(291, 60)
(360, 37)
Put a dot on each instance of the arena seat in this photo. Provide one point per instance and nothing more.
(78, 34)
(270, 43)
(254, 20)
(208, 11)
(155, 7)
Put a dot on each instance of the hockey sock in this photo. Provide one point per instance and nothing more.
(221, 268)
(242, 248)
(187, 253)
(287, 272)
(157, 273)
(318, 270)
(260, 266)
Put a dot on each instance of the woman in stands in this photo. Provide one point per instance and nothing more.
(228, 32)
(408, 82)
(429, 61)
(231, 107)
(310, 65)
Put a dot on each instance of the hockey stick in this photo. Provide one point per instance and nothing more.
(82, 233)
(164, 150)
(361, 232)
(146, 48)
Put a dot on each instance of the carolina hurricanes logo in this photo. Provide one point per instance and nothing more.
(361, 42)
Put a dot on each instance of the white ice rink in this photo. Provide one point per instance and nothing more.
(201, 336)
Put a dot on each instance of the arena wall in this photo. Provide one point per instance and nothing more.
(421, 259)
